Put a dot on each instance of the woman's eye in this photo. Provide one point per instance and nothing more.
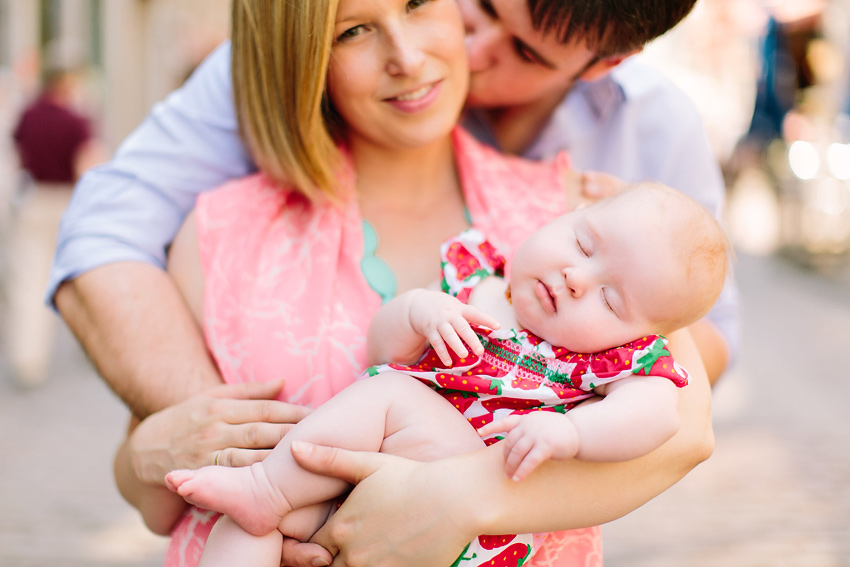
(350, 33)
(413, 4)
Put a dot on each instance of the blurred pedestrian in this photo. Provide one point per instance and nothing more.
(55, 145)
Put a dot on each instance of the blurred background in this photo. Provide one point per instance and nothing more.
(772, 81)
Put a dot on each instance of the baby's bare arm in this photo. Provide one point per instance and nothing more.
(402, 328)
(637, 415)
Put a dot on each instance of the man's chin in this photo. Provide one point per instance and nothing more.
(489, 98)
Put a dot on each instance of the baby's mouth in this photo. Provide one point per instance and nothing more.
(546, 298)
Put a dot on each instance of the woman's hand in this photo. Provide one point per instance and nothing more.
(231, 425)
(371, 529)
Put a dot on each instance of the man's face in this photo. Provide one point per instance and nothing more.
(511, 63)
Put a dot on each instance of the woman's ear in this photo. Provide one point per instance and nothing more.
(604, 65)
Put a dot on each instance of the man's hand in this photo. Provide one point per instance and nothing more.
(586, 187)
(231, 425)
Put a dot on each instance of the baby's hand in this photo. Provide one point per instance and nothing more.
(443, 320)
(533, 438)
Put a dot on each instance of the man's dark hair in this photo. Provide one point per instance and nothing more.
(610, 27)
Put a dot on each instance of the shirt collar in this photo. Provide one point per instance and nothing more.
(586, 105)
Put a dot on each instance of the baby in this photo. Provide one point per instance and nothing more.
(590, 295)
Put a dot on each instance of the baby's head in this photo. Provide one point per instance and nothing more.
(647, 261)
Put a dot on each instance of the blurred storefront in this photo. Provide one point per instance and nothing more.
(772, 81)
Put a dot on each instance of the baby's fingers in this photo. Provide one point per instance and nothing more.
(439, 346)
(469, 337)
(499, 426)
(478, 317)
(516, 450)
(449, 333)
(532, 460)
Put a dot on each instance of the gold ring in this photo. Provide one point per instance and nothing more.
(217, 455)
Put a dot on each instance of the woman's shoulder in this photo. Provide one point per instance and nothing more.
(242, 193)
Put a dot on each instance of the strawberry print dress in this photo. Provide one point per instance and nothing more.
(520, 373)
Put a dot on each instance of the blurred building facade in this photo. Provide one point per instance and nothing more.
(131, 52)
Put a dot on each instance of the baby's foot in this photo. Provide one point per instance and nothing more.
(245, 494)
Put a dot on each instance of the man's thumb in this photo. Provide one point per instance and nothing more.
(350, 466)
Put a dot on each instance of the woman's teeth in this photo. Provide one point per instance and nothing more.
(415, 95)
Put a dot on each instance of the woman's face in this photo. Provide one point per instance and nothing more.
(398, 74)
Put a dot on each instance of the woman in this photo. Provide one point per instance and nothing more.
(350, 114)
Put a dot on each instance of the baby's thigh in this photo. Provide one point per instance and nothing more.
(421, 424)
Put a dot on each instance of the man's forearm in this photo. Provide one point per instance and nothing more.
(160, 508)
(135, 327)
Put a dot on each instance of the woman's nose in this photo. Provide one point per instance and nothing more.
(406, 58)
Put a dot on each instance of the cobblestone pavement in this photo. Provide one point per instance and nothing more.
(775, 493)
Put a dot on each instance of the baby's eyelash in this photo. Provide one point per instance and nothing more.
(580, 247)
(605, 301)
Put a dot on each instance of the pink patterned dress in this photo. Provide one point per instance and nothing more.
(285, 295)
(519, 373)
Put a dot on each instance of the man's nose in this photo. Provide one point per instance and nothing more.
(482, 40)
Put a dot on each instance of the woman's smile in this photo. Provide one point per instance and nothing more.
(418, 99)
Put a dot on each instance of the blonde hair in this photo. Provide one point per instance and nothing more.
(280, 55)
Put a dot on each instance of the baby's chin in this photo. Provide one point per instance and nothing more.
(578, 343)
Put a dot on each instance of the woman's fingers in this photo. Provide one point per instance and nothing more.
(350, 466)
(297, 554)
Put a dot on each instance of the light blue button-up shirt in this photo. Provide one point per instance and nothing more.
(633, 123)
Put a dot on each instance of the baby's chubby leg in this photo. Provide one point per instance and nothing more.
(389, 412)
(230, 545)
